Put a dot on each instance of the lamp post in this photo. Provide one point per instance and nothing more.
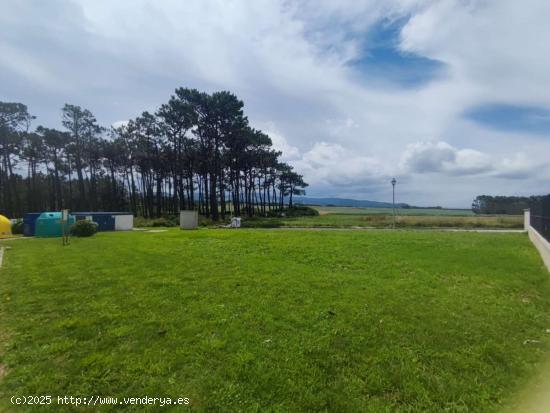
(393, 182)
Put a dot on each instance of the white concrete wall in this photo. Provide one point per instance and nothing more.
(124, 222)
(189, 219)
(538, 241)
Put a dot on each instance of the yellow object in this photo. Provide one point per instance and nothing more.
(5, 227)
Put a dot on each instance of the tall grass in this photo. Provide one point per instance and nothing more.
(386, 221)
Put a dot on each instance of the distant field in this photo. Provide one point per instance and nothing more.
(388, 211)
(421, 221)
(345, 220)
(274, 320)
(347, 217)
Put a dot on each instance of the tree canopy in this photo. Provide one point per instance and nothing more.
(510, 205)
(197, 151)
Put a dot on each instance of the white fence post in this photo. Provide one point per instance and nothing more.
(526, 219)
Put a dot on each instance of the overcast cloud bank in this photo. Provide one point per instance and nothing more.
(434, 93)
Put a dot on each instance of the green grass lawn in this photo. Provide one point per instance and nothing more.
(275, 320)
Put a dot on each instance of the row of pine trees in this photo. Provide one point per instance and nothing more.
(197, 151)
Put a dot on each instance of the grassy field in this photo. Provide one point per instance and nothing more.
(333, 219)
(347, 217)
(388, 211)
(275, 320)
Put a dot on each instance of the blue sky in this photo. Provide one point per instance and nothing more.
(380, 59)
(449, 97)
(512, 118)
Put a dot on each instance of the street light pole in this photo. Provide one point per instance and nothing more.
(393, 182)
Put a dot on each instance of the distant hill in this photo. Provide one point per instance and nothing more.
(341, 202)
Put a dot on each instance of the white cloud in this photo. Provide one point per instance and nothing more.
(496, 46)
(332, 164)
(440, 157)
(280, 143)
(119, 123)
(520, 167)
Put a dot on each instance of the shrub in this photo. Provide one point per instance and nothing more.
(301, 211)
(17, 227)
(174, 220)
(83, 228)
(205, 221)
(140, 222)
(257, 222)
(295, 211)
(162, 222)
(274, 213)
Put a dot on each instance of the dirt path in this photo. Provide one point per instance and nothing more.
(535, 397)
(13, 239)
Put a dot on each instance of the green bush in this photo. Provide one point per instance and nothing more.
(257, 222)
(303, 211)
(162, 222)
(17, 227)
(300, 211)
(205, 221)
(174, 220)
(83, 228)
(294, 211)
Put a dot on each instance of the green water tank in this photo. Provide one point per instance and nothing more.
(48, 224)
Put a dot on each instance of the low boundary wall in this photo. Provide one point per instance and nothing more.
(538, 241)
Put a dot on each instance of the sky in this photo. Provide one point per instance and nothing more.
(452, 98)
